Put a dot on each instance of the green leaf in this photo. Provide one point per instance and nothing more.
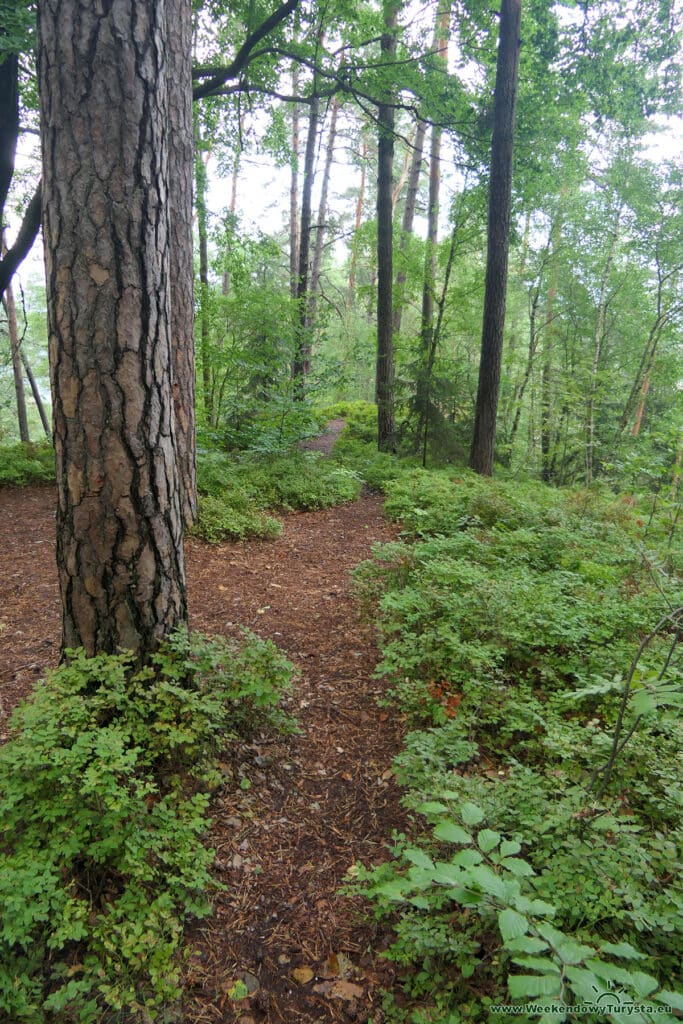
(448, 874)
(530, 985)
(418, 857)
(432, 807)
(467, 858)
(518, 867)
(526, 944)
(584, 983)
(644, 984)
(622, 949)
(512, 924)
(573, 952)
(668, 998)
(488, 880)
(449, 832)
(509, 847)
(487, 840)
(537, 963)
(471, 814)
(394, 891)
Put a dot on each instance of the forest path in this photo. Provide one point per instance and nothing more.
(316, 803)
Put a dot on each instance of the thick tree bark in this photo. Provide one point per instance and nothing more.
(20, 395)
(180, 154)
(104, 110)
(500, 192)
(384, 380)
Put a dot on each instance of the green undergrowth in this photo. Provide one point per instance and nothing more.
(529, 638)
(105, 791)
(237, 492)
(23, 464)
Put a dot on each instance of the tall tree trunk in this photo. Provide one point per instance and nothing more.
(9, 126)
(37, 398)
(384, 380)
(548, 349)
(322, 211)
(641, 408)
(500, 192)
(353, 263)
(302, 358)
(103, 78)
(407, 221)
(11, 311)
(441, 34)
(203, 237)
(225, 282)
(180, 153)
(294, 192)
(598, 338)
(647, 358)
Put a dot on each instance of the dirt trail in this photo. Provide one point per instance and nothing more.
(316, 802)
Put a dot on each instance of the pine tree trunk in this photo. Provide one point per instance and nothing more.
(500, 191)
(384, 380)
(103, 78)
(180, 156)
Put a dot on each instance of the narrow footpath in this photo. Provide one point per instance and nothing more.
(296, 811)
(317, 802)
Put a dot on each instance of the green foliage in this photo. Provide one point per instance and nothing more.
(105, 793)
(234, 491)
(230, 516)
(22, 464)
(511, 628)
(472, 917)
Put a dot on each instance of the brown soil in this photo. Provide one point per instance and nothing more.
(310, 806)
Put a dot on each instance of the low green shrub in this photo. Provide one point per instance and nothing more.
(22, 464)
(512, 629)
(221, 518)
(235, 492)
(104, 804)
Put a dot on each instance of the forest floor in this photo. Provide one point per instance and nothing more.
(297, 811)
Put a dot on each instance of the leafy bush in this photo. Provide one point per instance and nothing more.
(221, 518)
(236, 491)
(22, 464)
(508, 632)
(105, 793)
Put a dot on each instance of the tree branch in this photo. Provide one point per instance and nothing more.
(24, 240)
(232, 70)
